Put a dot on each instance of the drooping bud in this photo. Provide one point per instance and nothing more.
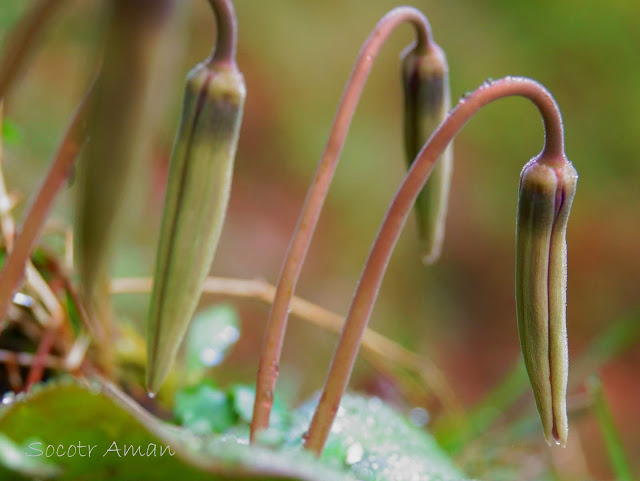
(196, 202)
(120, 125)
(547, 188)
(427, 102)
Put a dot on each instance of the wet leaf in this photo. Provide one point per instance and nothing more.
(67, 414)
(378, 444)
(204, 409)
(14, 463)
(243, 397)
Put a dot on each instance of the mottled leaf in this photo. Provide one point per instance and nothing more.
(378, 444)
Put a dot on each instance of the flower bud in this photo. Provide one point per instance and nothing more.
(120, 124)
(547, 188)
(427, 102)
(195, 207)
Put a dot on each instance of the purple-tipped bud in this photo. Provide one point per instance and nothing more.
(547, 188)
(427, 101)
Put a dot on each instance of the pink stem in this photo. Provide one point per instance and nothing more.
(395, 218)
(277, 323)
(40, 359)
(227, 31)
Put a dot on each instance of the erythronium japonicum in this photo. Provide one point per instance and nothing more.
(197, 194)
(425, 78)
(544, 205)
(107, 168)
(308, 220)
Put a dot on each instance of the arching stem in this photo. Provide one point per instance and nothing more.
(277, 323)
(395, 218)
(227, 32)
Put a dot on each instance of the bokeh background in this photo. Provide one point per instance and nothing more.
(296, 57)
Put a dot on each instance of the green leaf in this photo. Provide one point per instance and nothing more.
(213, 332)
(14, 462)
(204, 409)
(377, 444)
(70, 414)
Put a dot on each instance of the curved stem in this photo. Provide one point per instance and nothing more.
(277, 323)
(395, 218)
(227, 32)
(14, 268)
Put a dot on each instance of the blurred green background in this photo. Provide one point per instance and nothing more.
(296, 57)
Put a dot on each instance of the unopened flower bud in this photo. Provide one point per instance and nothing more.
(427, 102)
(196, 202)
(547, 188)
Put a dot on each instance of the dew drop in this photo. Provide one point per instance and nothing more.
(419, 417)
(211, 357)
(23, 300)
(8, 398)
(354, 453)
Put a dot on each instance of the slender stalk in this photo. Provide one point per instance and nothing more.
(22, 39)
(395, 218)
(42, 354)
(296, 254)
(227, 32)
(14, 268)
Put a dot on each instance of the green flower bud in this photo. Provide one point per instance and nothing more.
(427, 102)
(119, 123)
(547, 188)
(195, 206)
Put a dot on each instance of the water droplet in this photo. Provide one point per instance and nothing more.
(152, 395)
(8, 398)
(211, 357)
(229, 334)
(354, 453)
(375, 403)
(23, 300)
(419, 416)
(94, 386)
